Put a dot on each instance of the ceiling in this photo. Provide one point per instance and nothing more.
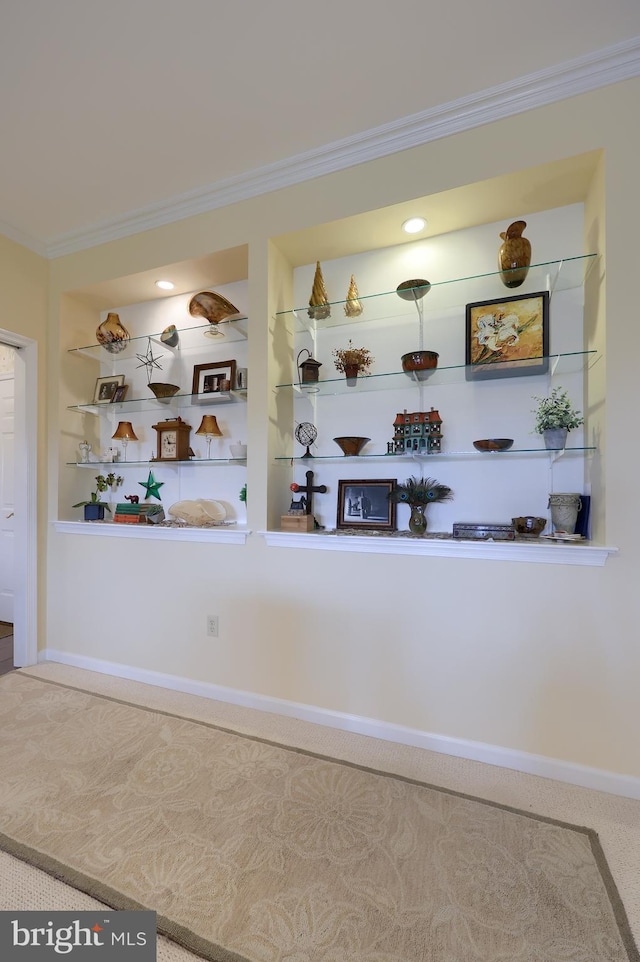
(110, 110)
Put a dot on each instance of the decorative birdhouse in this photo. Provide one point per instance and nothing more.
(419, 432)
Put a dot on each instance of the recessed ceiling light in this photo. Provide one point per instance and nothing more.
(165, 285)
(414, 225)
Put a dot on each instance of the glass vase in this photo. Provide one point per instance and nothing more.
(112, 334)
(418, 519)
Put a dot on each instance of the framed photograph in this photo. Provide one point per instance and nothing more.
(213, 381)
(365, 504)
(507, 337)
(120, 393)
(106, 387)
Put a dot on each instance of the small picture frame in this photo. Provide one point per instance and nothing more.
(120, 393)
(213, 381)
(365, 504)
(507, 337)
(106, 387)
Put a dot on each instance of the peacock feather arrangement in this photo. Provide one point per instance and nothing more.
(420, 491)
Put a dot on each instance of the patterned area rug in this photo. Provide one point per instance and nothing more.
(252, 852)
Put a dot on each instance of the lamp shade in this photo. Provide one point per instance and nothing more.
(124, 432)
(209, 427)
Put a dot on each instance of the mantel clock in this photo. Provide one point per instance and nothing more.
(173, 440)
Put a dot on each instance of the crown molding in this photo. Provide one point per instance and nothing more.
(598, 69)
(25, 240)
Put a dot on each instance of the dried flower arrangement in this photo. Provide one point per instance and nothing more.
(350, 357)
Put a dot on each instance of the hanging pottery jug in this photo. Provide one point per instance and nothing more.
(113, 335)
(564, 511)
(514, 255)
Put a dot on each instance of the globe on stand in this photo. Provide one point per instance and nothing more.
(306, 433)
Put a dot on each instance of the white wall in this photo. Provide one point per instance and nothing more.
(179, 482)
(486, 489)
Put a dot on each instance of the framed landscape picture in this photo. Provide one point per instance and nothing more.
(365, 504)
(507, 336)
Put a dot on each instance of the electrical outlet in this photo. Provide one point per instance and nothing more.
(212, 625)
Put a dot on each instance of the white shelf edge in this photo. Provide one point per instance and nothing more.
(235, 535)
(590, 555)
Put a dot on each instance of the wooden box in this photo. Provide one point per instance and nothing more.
(296, 522)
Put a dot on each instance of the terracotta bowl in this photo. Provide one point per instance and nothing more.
(419, 364)
(528, 524)
(493, 444)
(162, 390)
(351, 446)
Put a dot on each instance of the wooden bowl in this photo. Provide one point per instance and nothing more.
(529, 525)
(162, 390)
(493, 444)
(351, 446)
(419, 364)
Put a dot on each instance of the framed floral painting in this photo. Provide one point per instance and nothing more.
(507, 337)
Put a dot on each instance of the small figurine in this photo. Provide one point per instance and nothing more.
(85, 449)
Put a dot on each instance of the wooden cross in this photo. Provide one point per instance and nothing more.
(308, 490)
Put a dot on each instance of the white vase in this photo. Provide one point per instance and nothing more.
(238, 450)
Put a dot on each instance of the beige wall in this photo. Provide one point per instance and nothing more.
(538, 658)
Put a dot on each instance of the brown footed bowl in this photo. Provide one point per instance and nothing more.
(162, 390)
(419, 364)
(528, 524)
(351, 446)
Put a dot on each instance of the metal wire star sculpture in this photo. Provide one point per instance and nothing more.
(149, 360)
(152, 487)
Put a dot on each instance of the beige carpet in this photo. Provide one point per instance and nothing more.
(252, 851)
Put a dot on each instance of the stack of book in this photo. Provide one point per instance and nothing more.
(138, 513)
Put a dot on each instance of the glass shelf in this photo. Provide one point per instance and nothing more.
(443, 455)
(442, 296)
(231, 329)
(135, 405)
(117, 465)
(394, 380)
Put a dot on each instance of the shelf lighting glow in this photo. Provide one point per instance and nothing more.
(165, 285)
(414, 225)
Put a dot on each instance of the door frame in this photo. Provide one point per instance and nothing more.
(25, 624)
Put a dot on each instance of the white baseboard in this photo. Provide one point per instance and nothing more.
(574, 774)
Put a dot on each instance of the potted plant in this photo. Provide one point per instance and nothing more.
(94, 508)
(555, 417)
(352, 361)
(418, 493)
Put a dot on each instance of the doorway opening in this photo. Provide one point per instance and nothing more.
(25, 529)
